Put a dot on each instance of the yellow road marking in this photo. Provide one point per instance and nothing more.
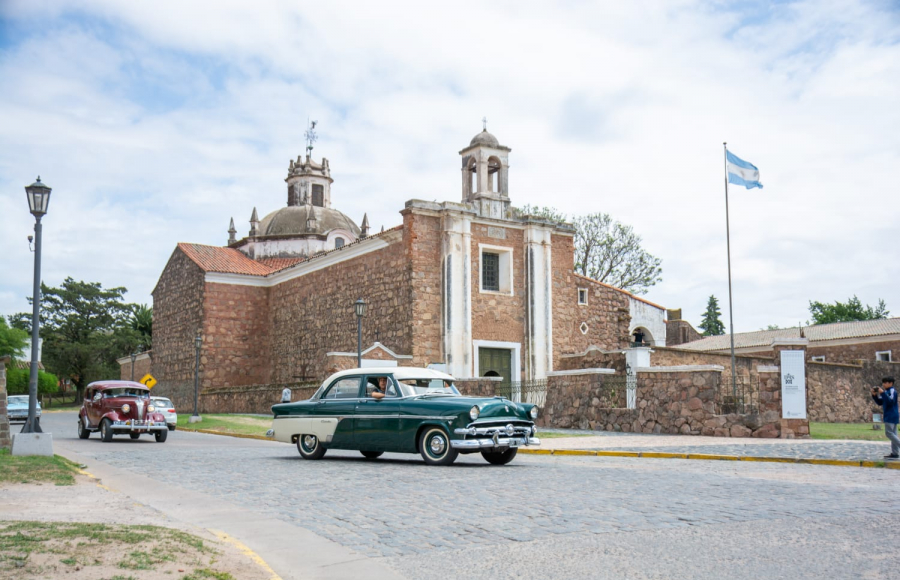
(97, 481)
(248, 552)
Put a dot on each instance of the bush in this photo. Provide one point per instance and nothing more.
(17, 381)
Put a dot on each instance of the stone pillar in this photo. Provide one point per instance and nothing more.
(456, 307)
(793, 428)
(635, 358)
(539, 302)
(4, 417)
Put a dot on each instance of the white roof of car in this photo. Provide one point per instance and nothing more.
(399, 373)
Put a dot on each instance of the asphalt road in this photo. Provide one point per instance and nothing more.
(539, 517)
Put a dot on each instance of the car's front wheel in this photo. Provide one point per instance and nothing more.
(310, 447)
(83, 432)
(434, 445)
(372, 454)
(106, 432)
(499, 457)
(161, 436)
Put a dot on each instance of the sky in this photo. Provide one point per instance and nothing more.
(156, 122)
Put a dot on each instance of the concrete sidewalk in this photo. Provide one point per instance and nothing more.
(833, 452)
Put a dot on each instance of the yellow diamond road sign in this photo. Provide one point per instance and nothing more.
(148, 381)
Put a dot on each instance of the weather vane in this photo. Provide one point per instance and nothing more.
(484, 123)
(310, 136)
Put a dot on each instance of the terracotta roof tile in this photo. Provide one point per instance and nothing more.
(815, 333)
(224, 260)
(277, 264)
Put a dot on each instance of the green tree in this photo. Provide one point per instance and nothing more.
(85, 328)
(712, 324)
(141, 321)
(12, 340)
(607, 250)
(848, 311)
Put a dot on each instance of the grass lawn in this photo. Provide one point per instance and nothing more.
(857, 431)
(33, 469)
(52, 549)
(240, 424)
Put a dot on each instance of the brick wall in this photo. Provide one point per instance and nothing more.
(257, 399)
(680, 332)
(312, 315)
(855, 353)
(141, 368)
(236, 340)
(177, 316)
(422, 245)
(4, 417)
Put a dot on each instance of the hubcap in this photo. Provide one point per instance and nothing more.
(309, 441)
(438, 445)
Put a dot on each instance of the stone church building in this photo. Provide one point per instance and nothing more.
(472, 285)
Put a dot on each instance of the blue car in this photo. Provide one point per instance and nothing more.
(17, 406)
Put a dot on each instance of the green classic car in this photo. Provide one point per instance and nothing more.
(404, 410)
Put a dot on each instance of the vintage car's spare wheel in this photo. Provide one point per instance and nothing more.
(161, 436)
(134, 435)
(499, 457)
(83, 433)
(372, 454)
(434, 445)
(106, 432)
(309, 447)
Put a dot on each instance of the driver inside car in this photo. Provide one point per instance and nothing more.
(381, 388)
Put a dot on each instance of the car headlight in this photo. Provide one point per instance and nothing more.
(150, 409)
(126, 408)
(533, 412)
(474, 412)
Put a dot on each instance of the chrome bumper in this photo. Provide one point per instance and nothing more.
(139, 426)
(494, 442)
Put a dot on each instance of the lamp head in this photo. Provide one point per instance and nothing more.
(360, 306)
(38, 198)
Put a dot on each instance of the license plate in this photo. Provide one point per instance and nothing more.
(513, 443)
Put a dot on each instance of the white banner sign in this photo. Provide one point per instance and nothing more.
(793, 384)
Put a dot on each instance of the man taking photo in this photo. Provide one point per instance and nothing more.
(886, 396)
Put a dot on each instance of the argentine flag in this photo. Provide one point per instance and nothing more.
(740, 172)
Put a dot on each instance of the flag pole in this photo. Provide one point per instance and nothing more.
(728, 245)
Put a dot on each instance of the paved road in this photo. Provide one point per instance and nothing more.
(539, 517)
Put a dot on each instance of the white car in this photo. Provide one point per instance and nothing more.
(165, 406)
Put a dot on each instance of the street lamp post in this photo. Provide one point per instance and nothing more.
(38, 200)
(133, 359)
(360, 306)
(198, 341)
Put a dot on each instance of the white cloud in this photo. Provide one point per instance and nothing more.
(157, 122)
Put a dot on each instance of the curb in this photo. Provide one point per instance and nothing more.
(708, 457)
(238, 435)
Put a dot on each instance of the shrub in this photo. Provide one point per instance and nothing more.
(17, 381)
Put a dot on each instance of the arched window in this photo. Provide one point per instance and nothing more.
(338, 242)
(318, 195)
(473, 171)
(494, 174)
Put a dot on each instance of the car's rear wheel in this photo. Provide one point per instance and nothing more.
(434, 445)
(161, 436)
(499, 457)
(134, 435)
(372, 454)
(83, 432)
(171, 427)
(106, 432)
(310, 447)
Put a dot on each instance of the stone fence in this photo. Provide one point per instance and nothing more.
(4, 416)
(841, 393)
(478, 386)
(668, 400)
(256, 399)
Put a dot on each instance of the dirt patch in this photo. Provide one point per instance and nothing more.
(87, 531)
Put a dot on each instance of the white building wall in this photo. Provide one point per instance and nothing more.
(649, 317)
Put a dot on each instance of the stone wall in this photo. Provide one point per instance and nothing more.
(746, 365)
(478, 386)
(668, 401)
(680, 332)
(141, 368)
(236, 347)
(855, 353)
(422, 246)
(256, 399)
(4, 416)
(841, 393)
(606, 314)
(339, 361)
(594, 358)
(312, 315)
(176, 320)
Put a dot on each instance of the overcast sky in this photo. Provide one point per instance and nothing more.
(156, 122)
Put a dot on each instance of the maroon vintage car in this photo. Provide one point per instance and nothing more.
(116, 407)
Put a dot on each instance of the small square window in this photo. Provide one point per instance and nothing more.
(883, 355)
(338, 242)
(490, 272)
(582, 296)
(818, 359)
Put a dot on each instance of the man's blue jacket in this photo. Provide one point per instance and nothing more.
(888, 401)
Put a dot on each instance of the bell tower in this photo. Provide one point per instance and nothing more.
(485, 175)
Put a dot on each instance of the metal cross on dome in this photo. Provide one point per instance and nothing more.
(310, 136)
(484, 123)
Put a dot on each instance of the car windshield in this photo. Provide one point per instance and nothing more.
(21, 400)
(162, 403)
(124, 392)
(428, 387)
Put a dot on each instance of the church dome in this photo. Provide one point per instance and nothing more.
(295, 220)
(485, 138)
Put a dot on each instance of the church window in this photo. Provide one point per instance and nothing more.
(338, 242)
(490, 272)
(883, 355)
(318, 195)
(818, 359)
(582, 296)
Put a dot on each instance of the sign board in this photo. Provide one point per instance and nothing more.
(793, 384)
(148, 381)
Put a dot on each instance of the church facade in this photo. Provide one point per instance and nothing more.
(472, 286)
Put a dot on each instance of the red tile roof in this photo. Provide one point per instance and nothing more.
(277, 264)
(225, 260)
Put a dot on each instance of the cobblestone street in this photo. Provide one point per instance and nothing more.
(546, 516)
